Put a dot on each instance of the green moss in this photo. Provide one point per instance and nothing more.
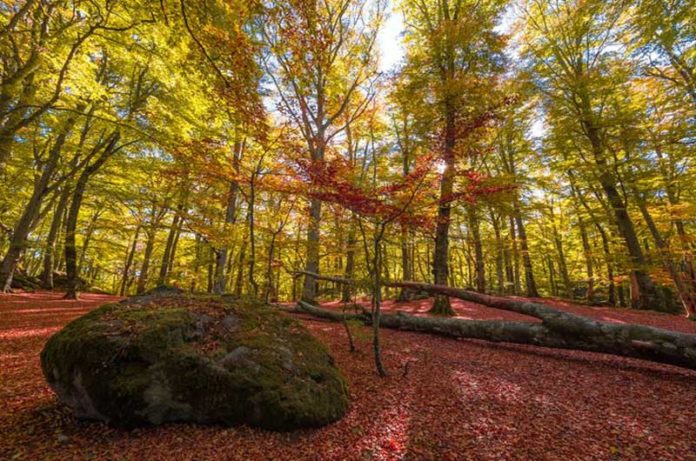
(168, 361)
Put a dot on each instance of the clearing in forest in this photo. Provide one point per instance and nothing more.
(443, 399)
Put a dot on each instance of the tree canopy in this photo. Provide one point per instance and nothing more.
(539, 148)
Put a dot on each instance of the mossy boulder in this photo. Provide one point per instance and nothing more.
(158, 359)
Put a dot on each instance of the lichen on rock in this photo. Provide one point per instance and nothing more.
(170, 357)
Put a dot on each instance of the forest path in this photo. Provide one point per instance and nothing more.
(455, 400)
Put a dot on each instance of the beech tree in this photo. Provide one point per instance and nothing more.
(569, 48)
(147, 144)
(454, 56)
(321, 62)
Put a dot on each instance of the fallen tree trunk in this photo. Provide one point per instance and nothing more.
(558, 329)
(331, 314)
(327, 278)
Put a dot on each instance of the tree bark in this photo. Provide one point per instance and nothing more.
(406, 263)
(515, 259)
(686, 296)
(33, 207)
(221, 254)
(89, 232)
(587, 250)
(56, 221)
(196, 261)
(346, 292)
(562, 265)
(173, 229)
(479, 263)
(603, 236)
(71, 266)
(441, 304)
(558, 329)
(252, 236)
(270, 291)
(151, 232)
(530, 283)
(552, 275)
(211, 269)
(644, 294)
(175, 245)
(377, 300)
(239, 283)
(129, 262)
(309, 289)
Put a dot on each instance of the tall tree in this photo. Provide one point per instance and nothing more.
(321, 61)
(569, 46)
(454, 56)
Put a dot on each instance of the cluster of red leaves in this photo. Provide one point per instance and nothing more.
(476, 185)
(333, 181)
(443, 400)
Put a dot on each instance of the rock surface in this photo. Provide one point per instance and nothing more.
(163, 357)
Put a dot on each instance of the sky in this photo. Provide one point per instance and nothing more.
(392, 49)
(390, 42)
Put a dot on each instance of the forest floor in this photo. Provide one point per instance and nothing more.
(444, 399)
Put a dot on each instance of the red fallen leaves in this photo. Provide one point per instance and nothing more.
(471, 311)
(457, 400)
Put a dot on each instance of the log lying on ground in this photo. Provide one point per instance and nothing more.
(333, 315)
(326, 278)
(558, 329)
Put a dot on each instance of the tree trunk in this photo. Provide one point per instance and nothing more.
(404, 143)
(32, 209)
(644, 294)
(251, 218)
(309, 289)
(196, 262)
(377, 301)
(71, 266)
(478, 249)
(515, 257)
(221, 254)
(562, 265)
(48, 257)
(530, 283)
(571, 331)
(558, 329)
(145, 268)
(175, 245)
(239, 283)
(686, 296)
(587, 250)
(406, 263)
(499, 254)
(603, 236)
(164, 268)
(211, 269)
(88, 238)
(13, 119)
(129, 262)
(346, 293)
(70, 249)
(60, 263)
(552, 276)
(270, 290)
(441, 304)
